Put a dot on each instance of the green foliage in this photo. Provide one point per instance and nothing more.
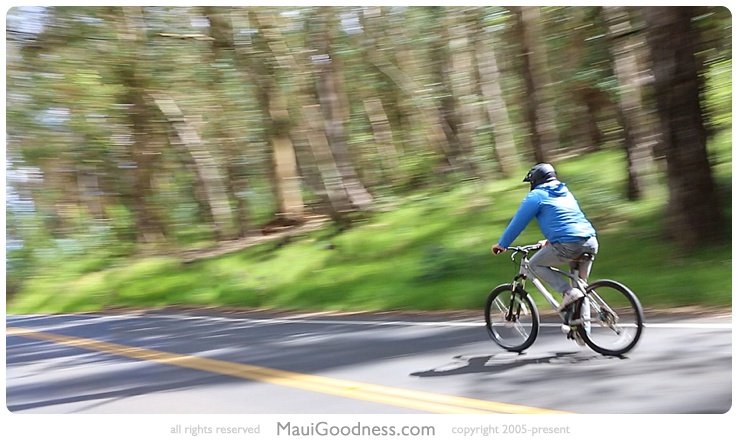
(718, 93)
(79, 93)
(431, 252)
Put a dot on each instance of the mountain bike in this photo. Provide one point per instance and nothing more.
(609, 318)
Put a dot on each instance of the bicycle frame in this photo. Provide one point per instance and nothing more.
(525, 271)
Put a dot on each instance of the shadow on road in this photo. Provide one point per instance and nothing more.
(507, 361)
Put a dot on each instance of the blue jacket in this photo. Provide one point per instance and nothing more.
(558, 214)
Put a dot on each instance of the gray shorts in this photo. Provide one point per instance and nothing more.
(556, 254)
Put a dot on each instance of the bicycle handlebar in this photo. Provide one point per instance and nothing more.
(525, 249)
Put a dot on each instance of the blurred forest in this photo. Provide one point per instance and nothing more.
(138, 130)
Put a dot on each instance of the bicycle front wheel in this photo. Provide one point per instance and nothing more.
(512, 318)
(612, 318)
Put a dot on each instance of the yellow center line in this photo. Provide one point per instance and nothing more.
(418, 400)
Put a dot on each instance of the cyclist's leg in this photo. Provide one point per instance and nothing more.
(585, 267)
(555, 254)
(582, 267)
(541, 263)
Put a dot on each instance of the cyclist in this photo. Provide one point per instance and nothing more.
(568, 232)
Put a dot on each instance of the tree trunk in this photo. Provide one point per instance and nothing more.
(624, 47)
(505, 151)
(383, 138)
(577, 108)
(462, 77)
(221, 32)
(261, 63)
(132, 33)
(206, 168)
(428, 114)
(316, 121)
(447, 53)
(539, 109)
(272, 51)
(335, 107)
(693, 213)
(331, 186)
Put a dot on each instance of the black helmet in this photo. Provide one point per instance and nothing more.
(540, 174)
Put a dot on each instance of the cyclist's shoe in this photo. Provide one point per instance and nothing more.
(570, 297)
(573, 334)
(580, 341)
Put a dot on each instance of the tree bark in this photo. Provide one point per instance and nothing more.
(428, 114)
(447, 53)
(206, 168)
(383, 138)
(693, 214)
(131, 32)
(538, 106)
(335, 107)
(623, 47)
(223, 48)
(505, 151)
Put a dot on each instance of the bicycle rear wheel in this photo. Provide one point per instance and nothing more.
(612, 318)
(512, 318)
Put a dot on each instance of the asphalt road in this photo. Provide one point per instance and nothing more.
(207, 362)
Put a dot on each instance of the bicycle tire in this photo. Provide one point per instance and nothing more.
(617, 326)
(516, 334)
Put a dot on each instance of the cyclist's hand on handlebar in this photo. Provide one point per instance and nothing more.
(542, 243)
(497, 249)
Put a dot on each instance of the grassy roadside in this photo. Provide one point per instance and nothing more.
(429, 251)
